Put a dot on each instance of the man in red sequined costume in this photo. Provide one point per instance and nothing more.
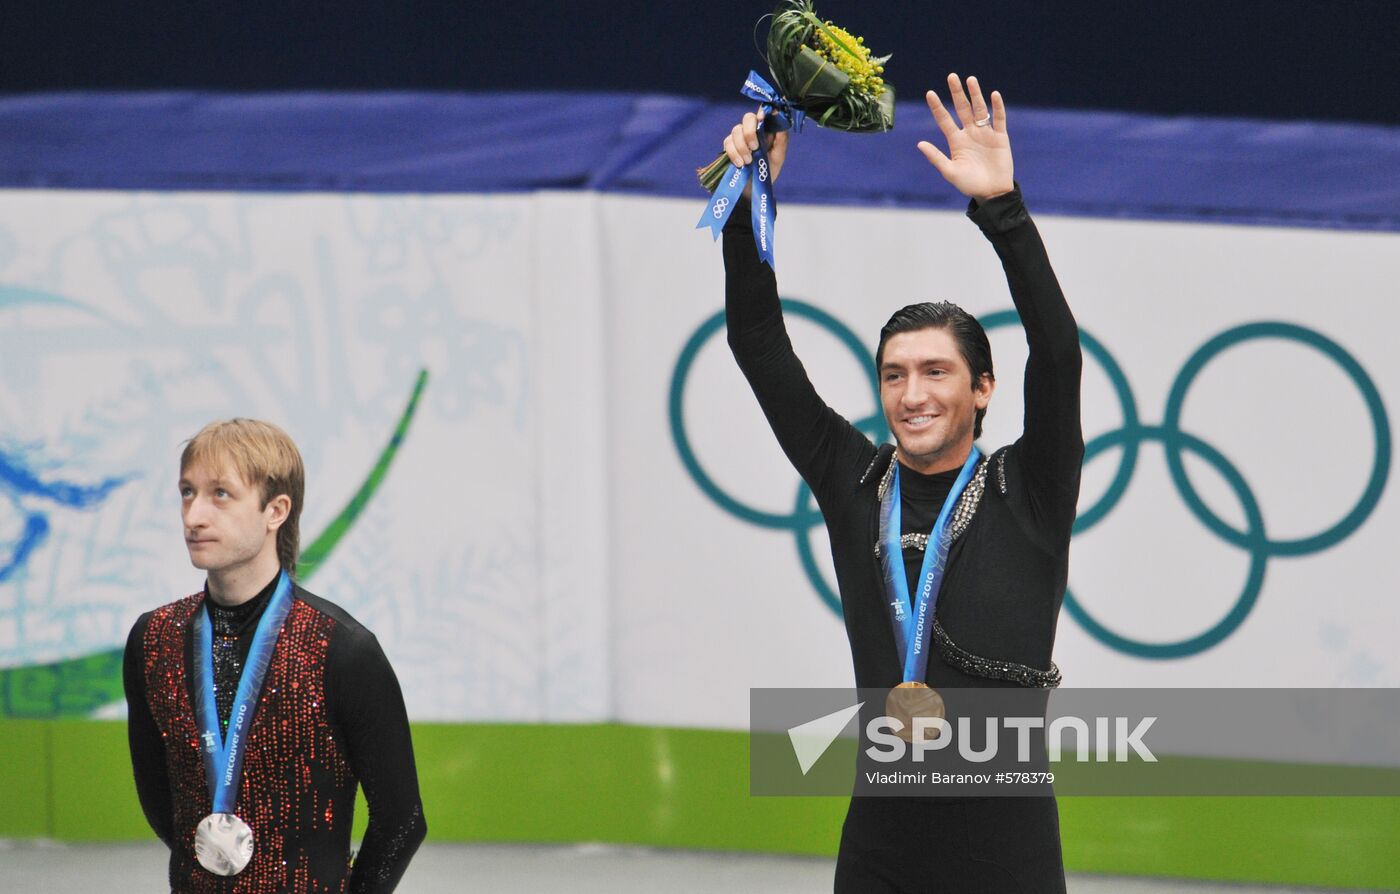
(329, 717)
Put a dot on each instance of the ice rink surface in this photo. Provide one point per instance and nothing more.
(45, 867)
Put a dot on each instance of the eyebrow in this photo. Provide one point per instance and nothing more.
(217, 482)
(924, 361)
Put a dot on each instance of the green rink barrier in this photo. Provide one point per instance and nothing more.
(687, 788)
(24, 779)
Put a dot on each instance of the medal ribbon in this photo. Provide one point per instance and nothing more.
(912, 622)
(223, 756)
(778, 115)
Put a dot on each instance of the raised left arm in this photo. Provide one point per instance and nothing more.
(1047, 457)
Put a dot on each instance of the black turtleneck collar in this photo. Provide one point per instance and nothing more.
(247, 609)
(921, 484)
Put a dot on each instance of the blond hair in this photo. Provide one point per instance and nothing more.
(266, 458)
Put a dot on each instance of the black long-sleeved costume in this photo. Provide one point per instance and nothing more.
(1006, 572)
(367, 722)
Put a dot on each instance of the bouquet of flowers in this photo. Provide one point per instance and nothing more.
(820, 71)
(825, 73)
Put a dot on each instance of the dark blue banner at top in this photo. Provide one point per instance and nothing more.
(1244, 171)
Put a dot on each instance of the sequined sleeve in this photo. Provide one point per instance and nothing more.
(368, 708)
(144, 739)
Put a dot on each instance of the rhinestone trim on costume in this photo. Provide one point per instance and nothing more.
(298, 787)
(963, 513)
(865, 476)
(886, 478)
(963, 510)
(967, 504)
(992, 668)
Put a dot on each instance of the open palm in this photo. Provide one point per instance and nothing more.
(978, 163)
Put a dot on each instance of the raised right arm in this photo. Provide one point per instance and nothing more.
(818, 441)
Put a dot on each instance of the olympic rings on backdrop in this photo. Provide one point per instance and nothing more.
(1129, 437)
(804, 515)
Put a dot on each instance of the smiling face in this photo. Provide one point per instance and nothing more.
(227, 528)
(930, 404)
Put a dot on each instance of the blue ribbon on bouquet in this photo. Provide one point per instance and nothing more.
(778, 115)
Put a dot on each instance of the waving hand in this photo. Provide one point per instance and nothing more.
(978, 163)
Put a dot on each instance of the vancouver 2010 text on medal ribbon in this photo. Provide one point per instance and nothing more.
(223, 842)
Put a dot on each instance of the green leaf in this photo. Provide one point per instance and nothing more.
(817, 77)
(886, 106)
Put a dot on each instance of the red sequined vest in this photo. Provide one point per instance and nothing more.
(297, 792)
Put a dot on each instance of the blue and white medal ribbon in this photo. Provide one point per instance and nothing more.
(912, 621)
(224, 842)
(778, 115)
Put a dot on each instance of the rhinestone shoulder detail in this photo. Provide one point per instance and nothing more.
(992, 668)
(963, 510)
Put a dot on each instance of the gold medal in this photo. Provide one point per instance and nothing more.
(910, 700)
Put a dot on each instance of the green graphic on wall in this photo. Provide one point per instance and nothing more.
(79, 686)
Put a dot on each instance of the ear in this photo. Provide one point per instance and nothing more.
(277, 510)
(982, 395)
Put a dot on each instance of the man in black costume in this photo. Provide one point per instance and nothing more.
(1010, 514)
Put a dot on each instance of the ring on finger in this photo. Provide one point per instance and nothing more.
(985, 121)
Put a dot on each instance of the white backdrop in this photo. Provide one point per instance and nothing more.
(538, 550)
(708, 605)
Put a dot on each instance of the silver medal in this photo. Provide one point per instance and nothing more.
(223, 843)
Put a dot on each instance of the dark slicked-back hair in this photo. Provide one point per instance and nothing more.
(967, 332)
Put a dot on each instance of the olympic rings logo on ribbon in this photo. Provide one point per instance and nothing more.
(1253, 538)
(720, 204)
(763, 169)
